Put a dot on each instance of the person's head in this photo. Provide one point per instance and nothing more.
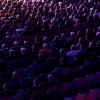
(56, 37)
(62, 50)
(72, 34)
(25, 43)
(80, 39)
(17, 16)
(6, 87)
(62, 60)
(16, 43)
(41, 57)
(45, 38)
(23, 50)
(15, 75)
(36, 82)
(91, 45)
(95, 16)
(98, 34)
(99, 28)
(45, 45)
(4, 46)
(50, 77)
(11, 52)
(87, 31)
(98, 44)
(7, 34)
(63, 35)
(73, 47)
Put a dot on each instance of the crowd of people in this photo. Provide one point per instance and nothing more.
(48, 35)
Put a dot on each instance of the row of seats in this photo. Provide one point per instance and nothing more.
(68, 90)
(84, 83)
(66, 74)
(91, 95)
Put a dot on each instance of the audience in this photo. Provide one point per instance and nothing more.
(48, 36)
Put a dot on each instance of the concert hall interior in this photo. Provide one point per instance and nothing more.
(49, 50)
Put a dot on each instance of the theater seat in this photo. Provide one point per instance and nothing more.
(80, 97)
(92, 95)
(87, 81)
(22, 96)
(66, 88)
(7, 98)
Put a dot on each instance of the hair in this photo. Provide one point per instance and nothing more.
(97, 34)
(45, 45)
(73, 47)
(15, 75)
